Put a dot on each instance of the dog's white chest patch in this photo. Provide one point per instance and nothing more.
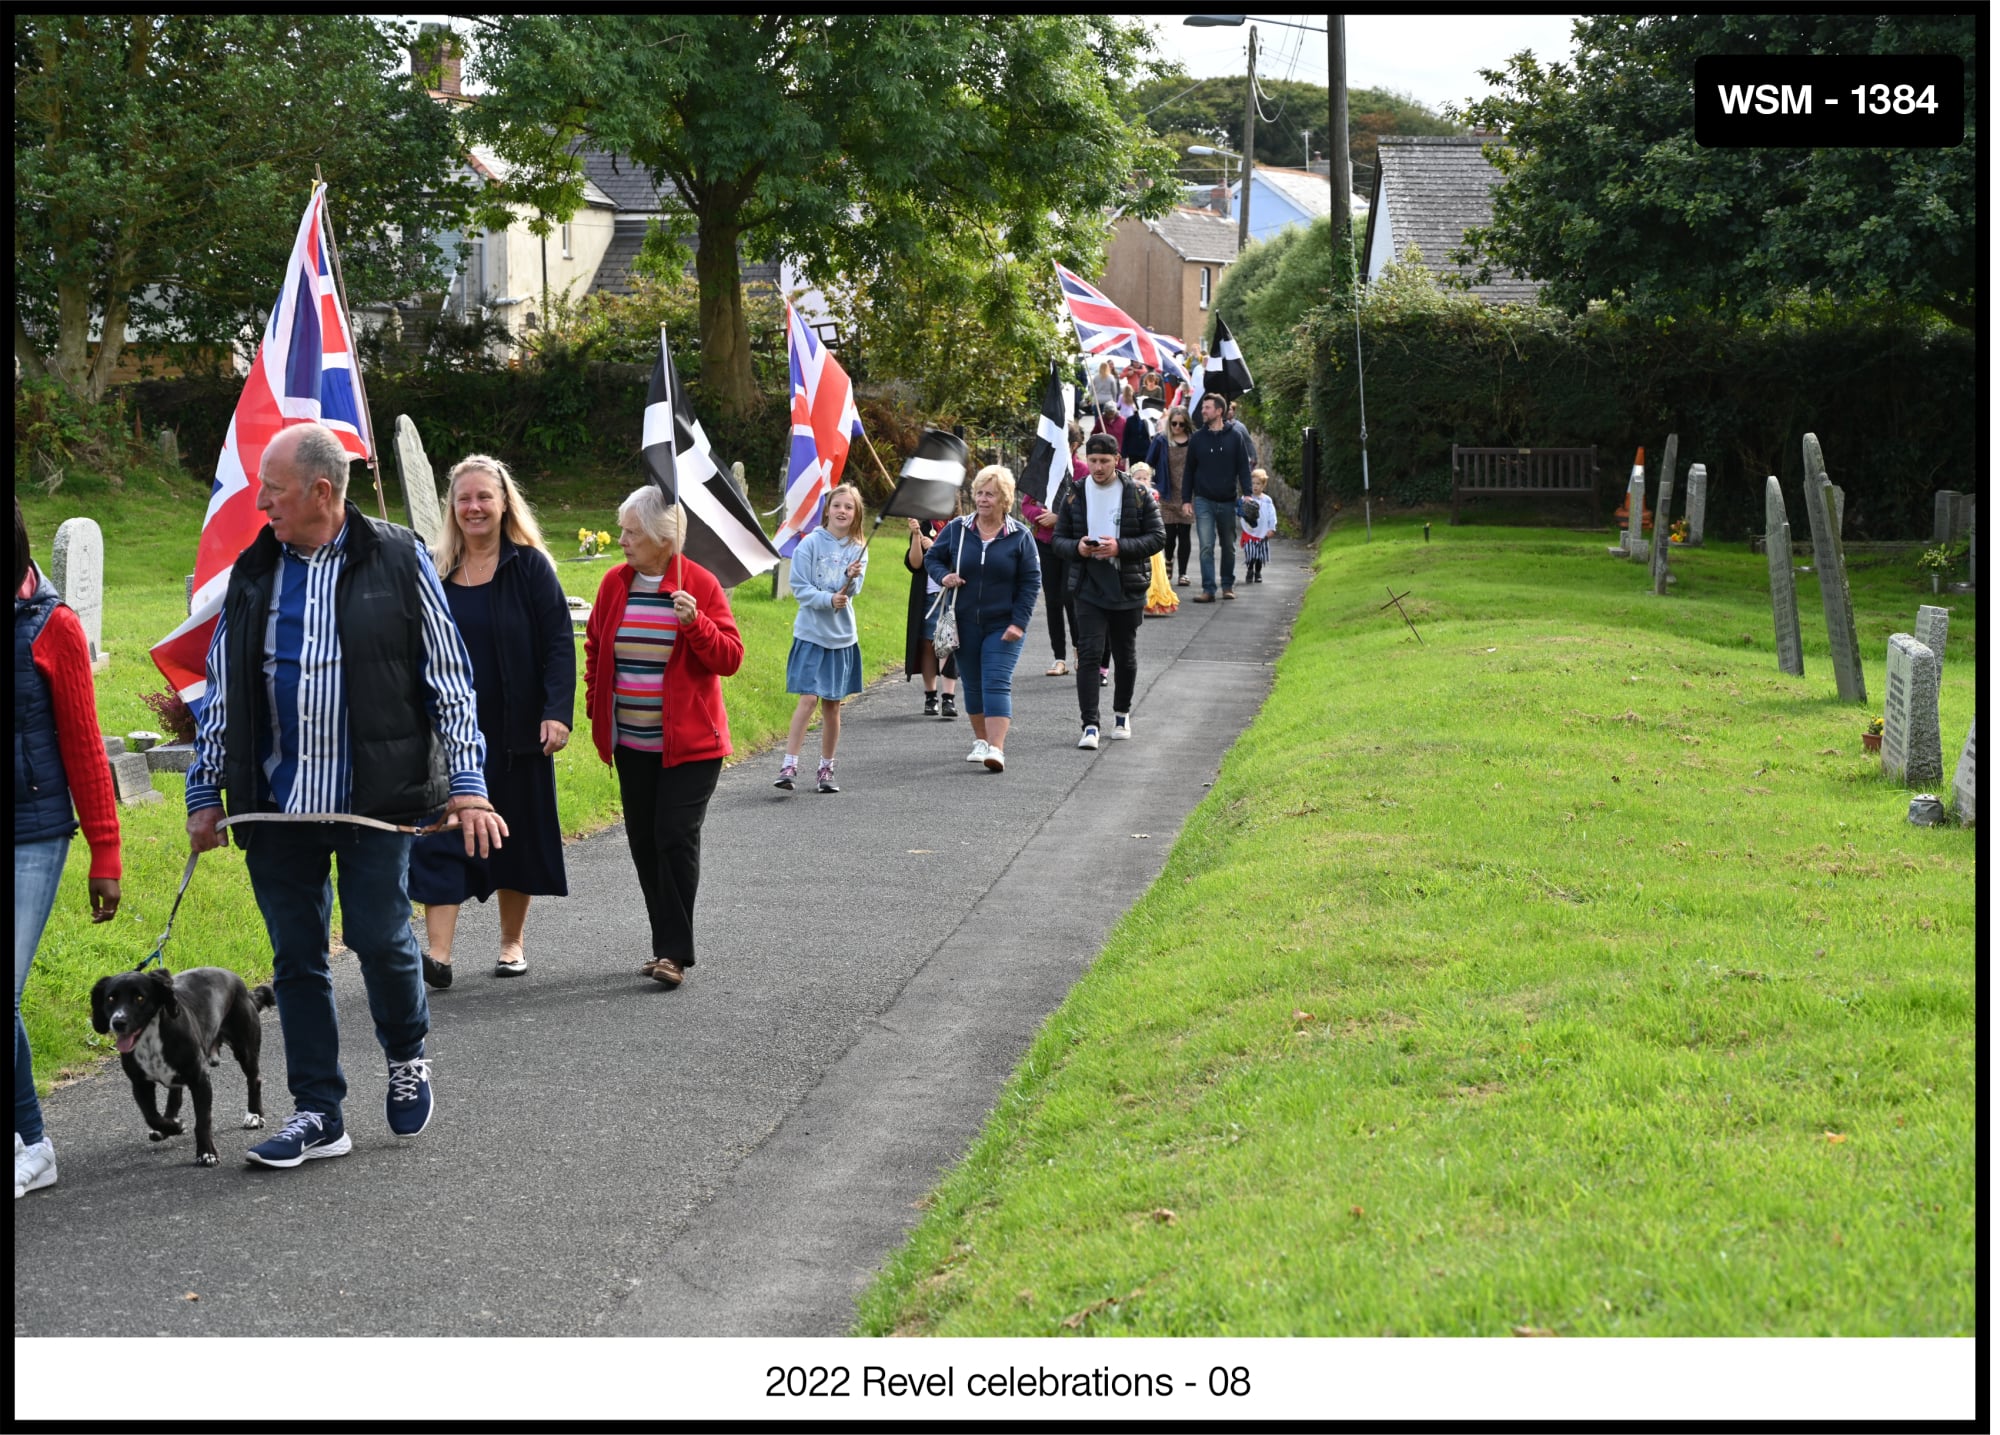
(151, 1058)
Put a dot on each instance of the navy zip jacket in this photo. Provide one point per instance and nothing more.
(1001, 578)
(1218, 464)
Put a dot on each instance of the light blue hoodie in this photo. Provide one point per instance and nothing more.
(819, 567)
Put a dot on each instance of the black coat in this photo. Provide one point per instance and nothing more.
(537, 650)
(1141, 534)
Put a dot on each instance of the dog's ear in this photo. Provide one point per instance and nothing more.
(100, 1017)
(163, 991)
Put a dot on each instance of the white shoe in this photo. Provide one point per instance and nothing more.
(1121, 727)
(1089, 739)
(34, 1167)
(996, 760)
(979, 751)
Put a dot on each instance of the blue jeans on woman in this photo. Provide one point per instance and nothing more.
(1216, 518)
(38, 869)
(289, 865)
(986, 670)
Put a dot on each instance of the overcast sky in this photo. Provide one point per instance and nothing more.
(1436, 58)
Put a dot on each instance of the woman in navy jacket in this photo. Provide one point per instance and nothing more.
(990, 566)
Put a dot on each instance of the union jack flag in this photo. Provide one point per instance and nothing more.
(1106, 331)
(304, 372)
(825, 424)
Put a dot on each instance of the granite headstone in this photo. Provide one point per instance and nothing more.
(1784, 585)
(1830, 567)
(1932, 626)
(1663, 518)
(1912, 752)
(1965, 781)
(77, 571)
(420, 491)
(1942, 515)
(1635, 514)
(1697, 503)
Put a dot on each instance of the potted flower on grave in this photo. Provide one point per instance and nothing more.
(1937, 562)
(1678, 533)
(1871, 736)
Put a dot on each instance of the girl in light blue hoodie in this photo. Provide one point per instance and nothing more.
(825, 665)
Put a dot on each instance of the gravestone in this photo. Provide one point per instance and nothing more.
(1932, 625)
(736, 480)
(420, 492)
(1784, 586)
(77, 570)
(1942, 515)
(1912, 753)
(1663, 519)
(131, 774)
(1838, 497)
(1965, 782)
(170, 448)
(1830, 566)
(1635, 513)
(1697, 503)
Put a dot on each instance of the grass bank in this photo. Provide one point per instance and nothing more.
(1572, 971)
(151, 519)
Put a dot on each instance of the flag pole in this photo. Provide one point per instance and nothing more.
(354, 354)
(878, 461)
(673, 447)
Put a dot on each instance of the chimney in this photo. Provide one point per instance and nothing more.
(1218, 199)
(436, 58)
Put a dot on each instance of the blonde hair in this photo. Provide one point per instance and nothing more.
(1178, 411)
(1104, 369)
(1257, 475)
(648, 510)
(517, 518)
(855, 533)
(1000, 478)
(1140, 472)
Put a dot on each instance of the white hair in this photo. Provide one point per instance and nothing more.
(648, 510)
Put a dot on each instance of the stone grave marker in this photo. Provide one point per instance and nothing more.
(1830, 567)
(1965, 781)
(1784, 585)
(420, 491)
(78, 573)
(1635, 514)
(1663, 519)
(131, 774)
(1932, 625)
(1912, 752)
(736, 480)
(1697, 503)
(1941, 515)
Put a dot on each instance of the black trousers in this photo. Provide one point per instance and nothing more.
(664, 810)
(1180, 542)
(1097, 628)
(1055, 597)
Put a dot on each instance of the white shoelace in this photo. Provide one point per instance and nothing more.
(299, 1123)
(406, 1077)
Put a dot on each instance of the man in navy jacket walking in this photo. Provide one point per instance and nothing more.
(1218, 476)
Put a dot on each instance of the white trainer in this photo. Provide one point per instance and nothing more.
(996, 760)
(979, 751)
(1089, 739)
(34, 1167)
(1121, 726)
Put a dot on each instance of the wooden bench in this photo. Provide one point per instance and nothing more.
(1524, 473)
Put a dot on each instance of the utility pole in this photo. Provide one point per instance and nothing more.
(1249, 148)
(1340, 170)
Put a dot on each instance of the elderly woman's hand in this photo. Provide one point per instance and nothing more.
(555, 737)
(684, 608)
(952, 580)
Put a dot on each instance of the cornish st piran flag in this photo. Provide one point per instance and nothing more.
(931, 479)
(1226, 373)
(1049, 463)
(304, 370)
(1106, 331)
(824, 424)
(723, 535)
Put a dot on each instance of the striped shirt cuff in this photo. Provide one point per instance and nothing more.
(468, 784)
(201, 795)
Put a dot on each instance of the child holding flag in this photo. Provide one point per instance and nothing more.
(825, 665)
(1257, 522)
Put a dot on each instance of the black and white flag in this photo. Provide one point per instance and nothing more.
(931, 479)
(1226, 373)
(723, 535)
(1049, 463)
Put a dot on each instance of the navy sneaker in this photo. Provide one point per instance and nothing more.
(308, 1136)
(410, 1103)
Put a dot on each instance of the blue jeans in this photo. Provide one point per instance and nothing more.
(289, 863)
(986, 670)
(1211, 515)
(38, 869)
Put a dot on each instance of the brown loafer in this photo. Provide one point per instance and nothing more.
(1229, 592)
(1203, 598)
(667, 973)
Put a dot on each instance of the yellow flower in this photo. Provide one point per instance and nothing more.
(603, 537)
(583, 535)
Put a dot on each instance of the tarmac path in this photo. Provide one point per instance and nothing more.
(736, 1157)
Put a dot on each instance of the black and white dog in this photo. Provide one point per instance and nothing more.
(171, 1029)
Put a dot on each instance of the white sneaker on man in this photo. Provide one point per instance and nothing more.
(979, 751)
(34, 1166)
(1089, 739)
(1121, 726)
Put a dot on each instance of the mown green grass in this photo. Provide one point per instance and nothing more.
(152, 521)
(1574, 970)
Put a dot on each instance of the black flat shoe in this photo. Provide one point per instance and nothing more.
(436, 974)
(930, 705)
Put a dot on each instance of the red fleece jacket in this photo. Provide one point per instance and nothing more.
(694, 725)
(62, 657)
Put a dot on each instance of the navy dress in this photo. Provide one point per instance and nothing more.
(521, 785)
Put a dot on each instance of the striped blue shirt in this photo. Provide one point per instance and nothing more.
(303, 750)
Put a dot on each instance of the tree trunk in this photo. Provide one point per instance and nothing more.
(726, 378)
(26, 354)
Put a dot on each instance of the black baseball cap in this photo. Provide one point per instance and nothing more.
(1100, 443)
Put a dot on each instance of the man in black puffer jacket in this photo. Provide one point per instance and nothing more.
(1108, 532)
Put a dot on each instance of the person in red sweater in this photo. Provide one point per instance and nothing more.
(660, 640)
(59, 774)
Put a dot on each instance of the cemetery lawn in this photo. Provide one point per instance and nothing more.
(152, 524)
(1573, 972)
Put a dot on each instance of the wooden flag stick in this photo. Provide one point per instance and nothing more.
(878, 461)
(354, 357)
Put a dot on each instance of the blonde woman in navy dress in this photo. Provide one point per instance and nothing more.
(825, 665)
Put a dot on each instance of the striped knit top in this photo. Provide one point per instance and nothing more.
(644, 642)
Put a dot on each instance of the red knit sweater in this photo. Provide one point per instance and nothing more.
(62, 657)
(696, 727)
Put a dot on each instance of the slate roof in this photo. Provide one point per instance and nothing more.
(625, 181)
(1434, 188)
(614, 271)
(1199, 235)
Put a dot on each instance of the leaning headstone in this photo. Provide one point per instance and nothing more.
(1830, 566)
(1663, 519)
(736, 480)
(78, 573)
(1837, 502)
(1784, 586)
(1912, 752)
(1697, 503)
(420, 491)
(170, 448)
(132, 775)
(1932, 625)
(1635, 514)
(1965, 782)
(1942, 515)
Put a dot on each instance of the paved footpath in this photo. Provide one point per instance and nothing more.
(737, 1157)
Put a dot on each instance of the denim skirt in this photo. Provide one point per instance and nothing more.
(813, 671)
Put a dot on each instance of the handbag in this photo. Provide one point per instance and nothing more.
(944, 638)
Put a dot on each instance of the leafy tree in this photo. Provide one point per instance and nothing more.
(858, 143)
(1608, 197)
(161, 163)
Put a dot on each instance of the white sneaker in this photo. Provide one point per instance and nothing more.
(1121, 727)
(996, 760)
(979, 751)
(34, 1167)
(1089, 739)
